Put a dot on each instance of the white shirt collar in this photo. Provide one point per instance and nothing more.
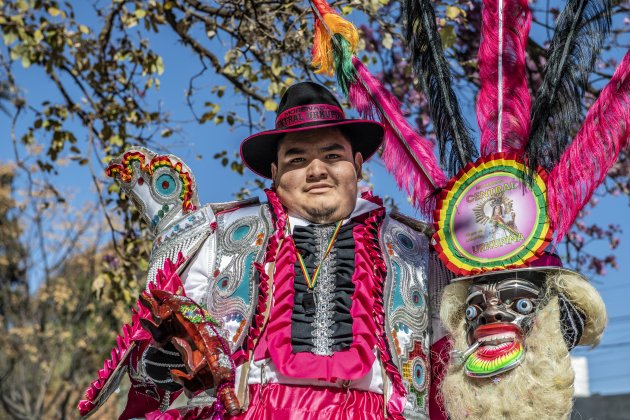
(362, 206)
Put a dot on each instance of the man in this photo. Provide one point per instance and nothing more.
(321, 297)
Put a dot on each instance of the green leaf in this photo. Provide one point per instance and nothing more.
(453, 11)
(448, 36)
(159, 65)
(22, 6)
(26, 61)
(115, 140)
(271, 105)
(38, 36)
(276, 65)
(388, 41)
(53, 11)
(9, 38)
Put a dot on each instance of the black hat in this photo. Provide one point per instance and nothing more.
(308, 106)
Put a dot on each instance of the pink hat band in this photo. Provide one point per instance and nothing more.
(307, 114)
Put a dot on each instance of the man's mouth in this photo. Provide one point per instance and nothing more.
(500, 349)
(318, 188)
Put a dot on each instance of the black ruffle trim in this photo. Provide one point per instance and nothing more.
(343, 269)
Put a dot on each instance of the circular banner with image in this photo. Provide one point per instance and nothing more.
(489, 218)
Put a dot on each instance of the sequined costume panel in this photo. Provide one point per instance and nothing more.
(406, 303)
(184, 235)
(232, 290)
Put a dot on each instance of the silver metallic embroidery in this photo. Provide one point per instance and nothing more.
(324, 293)
(232, 292)
(210, 331)
(406, 307)
(203, 399)
(224, 361)
(185, 236)
(166, 401)
(141, 374)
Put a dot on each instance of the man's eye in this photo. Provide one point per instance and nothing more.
(333, 156)
(297, 160)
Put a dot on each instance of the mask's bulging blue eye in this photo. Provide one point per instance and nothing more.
(471, 312)
(165, 184)
(524, 306)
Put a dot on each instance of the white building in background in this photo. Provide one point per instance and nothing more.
(580, 367)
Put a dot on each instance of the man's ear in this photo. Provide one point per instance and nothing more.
(358, 164)
(274, 171)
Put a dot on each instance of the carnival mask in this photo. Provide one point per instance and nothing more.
(499, 313)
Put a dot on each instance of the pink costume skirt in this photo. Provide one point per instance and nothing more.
(279, 402)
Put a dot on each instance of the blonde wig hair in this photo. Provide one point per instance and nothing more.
(542, 386)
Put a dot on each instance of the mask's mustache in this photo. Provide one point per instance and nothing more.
(458, 358)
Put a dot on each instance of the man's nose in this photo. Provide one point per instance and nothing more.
(316, 170)
(494, 314)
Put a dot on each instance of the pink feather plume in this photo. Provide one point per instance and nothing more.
(420, 179)
(585, 163)
(503, 104)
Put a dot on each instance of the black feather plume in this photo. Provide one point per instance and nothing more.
(580, 32)
(435, 77)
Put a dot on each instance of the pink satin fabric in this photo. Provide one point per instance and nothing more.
(288, 402)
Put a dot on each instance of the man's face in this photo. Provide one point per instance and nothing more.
(316, 175)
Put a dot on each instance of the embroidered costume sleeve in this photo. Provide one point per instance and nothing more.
(406, 308)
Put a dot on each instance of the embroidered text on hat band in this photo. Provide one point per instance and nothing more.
(309, 113)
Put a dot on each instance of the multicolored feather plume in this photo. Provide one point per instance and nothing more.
(407, 155)
(584, 164)
(435, 79)
(329, 54)
(503, 104)
(580, 31)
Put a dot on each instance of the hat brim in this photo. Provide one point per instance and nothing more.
(259, 151)
(549, 269)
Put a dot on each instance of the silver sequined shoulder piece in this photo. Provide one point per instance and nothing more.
(405, 300)
(232, 293)
(184, 235)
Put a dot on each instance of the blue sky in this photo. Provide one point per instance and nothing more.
(609, 365)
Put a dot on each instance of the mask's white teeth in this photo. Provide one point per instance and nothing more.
(497, 337)
(458, 358)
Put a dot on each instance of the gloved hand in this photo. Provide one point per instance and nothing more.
(179, 320)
